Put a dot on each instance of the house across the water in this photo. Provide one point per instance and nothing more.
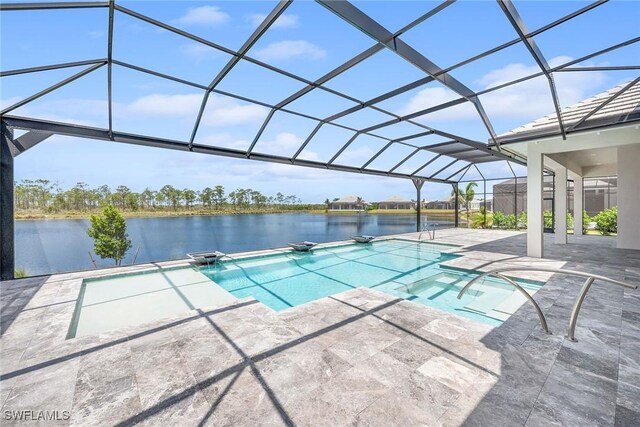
(396, 202)
(348, 203)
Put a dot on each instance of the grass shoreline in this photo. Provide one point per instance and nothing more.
(150, 214)
(24, 216)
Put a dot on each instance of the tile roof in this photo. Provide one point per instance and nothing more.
(624, 108)
(348, 199)
(396, 199)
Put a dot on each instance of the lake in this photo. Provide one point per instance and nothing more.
(59, 245)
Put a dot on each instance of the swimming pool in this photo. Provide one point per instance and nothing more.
(407, 269)
(121, 300)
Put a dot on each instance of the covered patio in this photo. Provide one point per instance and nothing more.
(610, 151)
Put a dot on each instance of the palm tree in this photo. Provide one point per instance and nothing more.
(465, 196)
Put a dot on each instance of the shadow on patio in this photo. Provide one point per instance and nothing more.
(361, 357)
(15, 296)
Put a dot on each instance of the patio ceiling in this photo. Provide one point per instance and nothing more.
(404, 144)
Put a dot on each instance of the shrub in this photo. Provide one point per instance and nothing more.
(522, 220)
(500, 220)
(585, 222)
(607, 221)
(548, 218)
(20, 273)
(569, 221)
(480, 219)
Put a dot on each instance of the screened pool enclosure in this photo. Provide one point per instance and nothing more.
(398, 95)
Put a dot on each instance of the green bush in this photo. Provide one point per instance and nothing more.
(548, 218)
(522, 220)
(569, 221)
(585, 222)
(607, 221)
(20, 273)
(479, 220)
(500, 220)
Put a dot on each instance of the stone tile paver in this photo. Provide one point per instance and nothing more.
(362, 357)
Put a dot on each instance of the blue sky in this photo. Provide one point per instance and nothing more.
(307, 40)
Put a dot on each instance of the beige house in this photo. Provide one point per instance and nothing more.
(396, 202)
(348, 203)
(440, 204)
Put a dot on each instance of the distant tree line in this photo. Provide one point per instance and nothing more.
(46, 196)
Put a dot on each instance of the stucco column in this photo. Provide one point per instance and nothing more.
(535, 242)
(560, 203)
(628, 196)
(578, 205)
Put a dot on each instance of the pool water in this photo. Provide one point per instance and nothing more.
(407, 269)
(122, 300)
(403, 268)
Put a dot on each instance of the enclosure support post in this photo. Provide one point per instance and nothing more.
(515, 201)
(455, 204)
(418, 183)
(484, 219)
(7, 249)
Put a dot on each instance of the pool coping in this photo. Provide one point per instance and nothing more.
(70, 284)
(445, 248)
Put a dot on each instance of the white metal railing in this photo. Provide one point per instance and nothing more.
(577, 304)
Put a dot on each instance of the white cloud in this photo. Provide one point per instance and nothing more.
(166, 105)
(284, 21)
(199, 52)
(88, 112)
(7, 102)
(78, 107)
(284, 144)
(263, 172)
(287, 49)
(356, 156)
(431, 97)
(532, 99)
(527, 100)
(204, 15)
(225, 140)
(220, 111)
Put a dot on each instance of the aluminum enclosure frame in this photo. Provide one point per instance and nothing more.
(382, 37)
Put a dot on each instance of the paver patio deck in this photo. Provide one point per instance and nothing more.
(361, 357)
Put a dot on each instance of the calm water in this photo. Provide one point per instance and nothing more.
(47, 246)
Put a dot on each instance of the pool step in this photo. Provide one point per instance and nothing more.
(432, 285)
(511, 304)
(497, 315)
(483, 304)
